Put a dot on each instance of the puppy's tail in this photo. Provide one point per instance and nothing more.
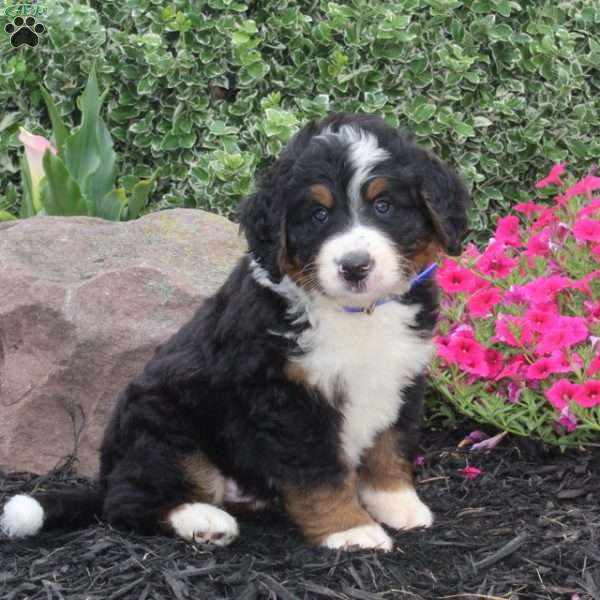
(64, 509)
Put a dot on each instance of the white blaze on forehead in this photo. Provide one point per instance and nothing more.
(364, 153)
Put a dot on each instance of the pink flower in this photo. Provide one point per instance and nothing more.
(495, 263)
(547, 217)
(419, 461)
(539, 244)
(540, 320)
(35, 148)
(562, 364)
(494, 361)
(581, 188)
(589, 209)
(515, 295)
(593, 310)
(507, 231)
(463, 330)
(592, 276)
(553, 177)
(594, 366)
(454, 279)
(587, 230)
(441, 344)
(568, 420)
(561, 393)
(588, 394)
(471, 251)
(541, 369)
(469, 354)
(471, 472)
(545, 288)
(482, 303)
(559, 337)
(514, 331)
(528, 208)
(512, 369)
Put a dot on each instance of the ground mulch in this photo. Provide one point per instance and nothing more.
(527, 527)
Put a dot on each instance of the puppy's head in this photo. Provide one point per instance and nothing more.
(353, 209)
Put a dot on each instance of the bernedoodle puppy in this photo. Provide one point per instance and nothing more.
(301, 380)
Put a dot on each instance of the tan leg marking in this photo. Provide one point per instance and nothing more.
(387, 489)
(383, 468)
(333, 516)
(207, 482)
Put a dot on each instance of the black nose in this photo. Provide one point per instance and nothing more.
(355, 266)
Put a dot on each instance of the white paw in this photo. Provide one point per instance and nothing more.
(204, 523)
(366, 536)
(401, 509)
(22, 516)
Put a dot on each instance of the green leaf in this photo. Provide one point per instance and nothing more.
(27, 208)
(139, 197)
(102, 180)
(6, 216)
(112, 204)
(89, 154)
(60, 193)
(424, 112)
(481, 122)
(58, 126)
(463, 128)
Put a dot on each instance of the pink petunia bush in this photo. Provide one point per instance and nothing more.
(518, 341)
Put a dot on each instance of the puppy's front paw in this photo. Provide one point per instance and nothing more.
(204, 524)
(401, 509)
(366, 536)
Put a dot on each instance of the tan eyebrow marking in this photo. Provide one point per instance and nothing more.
(322, 194)
(375, 187)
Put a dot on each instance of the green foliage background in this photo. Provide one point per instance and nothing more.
(209, 90)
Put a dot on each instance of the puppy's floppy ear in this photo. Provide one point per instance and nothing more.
(447, 202)
(262, 219)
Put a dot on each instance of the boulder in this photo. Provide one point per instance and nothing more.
(83, 304)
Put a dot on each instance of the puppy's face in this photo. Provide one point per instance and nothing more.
(360, 209)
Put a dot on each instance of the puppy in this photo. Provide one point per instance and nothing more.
(302, 378)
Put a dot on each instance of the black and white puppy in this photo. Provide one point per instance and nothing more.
(302, 378)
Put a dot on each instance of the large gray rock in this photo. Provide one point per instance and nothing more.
(83, 304)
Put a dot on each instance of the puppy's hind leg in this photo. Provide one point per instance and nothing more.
(150, 491)
(202, 521)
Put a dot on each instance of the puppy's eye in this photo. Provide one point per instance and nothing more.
(382, 207)
(320, 215)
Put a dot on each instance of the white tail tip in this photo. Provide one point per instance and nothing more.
(22, 516)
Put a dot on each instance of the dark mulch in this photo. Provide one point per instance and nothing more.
(528, 527)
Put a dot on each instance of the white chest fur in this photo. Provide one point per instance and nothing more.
(373, 357)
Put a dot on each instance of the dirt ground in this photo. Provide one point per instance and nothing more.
(527, 527)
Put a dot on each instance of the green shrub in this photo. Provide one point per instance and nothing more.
(209, 90)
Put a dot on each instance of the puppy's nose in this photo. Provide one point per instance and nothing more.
(355, 266)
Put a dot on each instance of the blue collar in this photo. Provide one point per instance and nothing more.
(424, 274)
